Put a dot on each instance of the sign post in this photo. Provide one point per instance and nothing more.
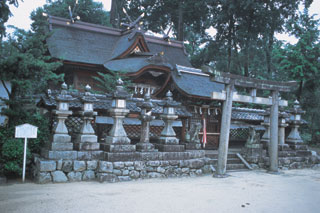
(25, 131)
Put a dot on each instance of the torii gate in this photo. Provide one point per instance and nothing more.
(229, 95)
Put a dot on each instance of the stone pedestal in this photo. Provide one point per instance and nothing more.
(294, 140)
(117, 139)
(265, 139)
(167, 137)
(87, 140)
(146, 108)
(61, 146)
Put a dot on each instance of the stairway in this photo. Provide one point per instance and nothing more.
(233, 162)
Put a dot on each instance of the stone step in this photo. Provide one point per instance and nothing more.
(236, 166)
(234, 161)
(215, 155)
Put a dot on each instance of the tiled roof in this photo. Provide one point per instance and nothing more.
(95, 44)
(247, 114)
(193, 82)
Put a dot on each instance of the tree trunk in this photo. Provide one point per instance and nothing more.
(231, 24)
(180, 23)
(116, 7)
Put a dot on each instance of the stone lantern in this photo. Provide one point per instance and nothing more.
(167, 140)
(117, 140)
(265, 140)
(87, 140)
(294, 136)
(61, 139)
(145, 117)
(283, 116)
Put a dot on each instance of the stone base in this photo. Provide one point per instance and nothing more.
(61, 138)
(90, 155)
(192, 146)
(284, 147)
(294, 141)
(298, 146)
(87, 138)
(170, 148)
(60, 146)
(57, 155)
(254, 146)
(168, 140)
(145, 147)
(118, 147)
(117, 140)
(87, 146)
(122, 156)
(252, 152)
(265, 143)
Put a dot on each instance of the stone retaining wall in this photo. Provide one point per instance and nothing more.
(60, 171)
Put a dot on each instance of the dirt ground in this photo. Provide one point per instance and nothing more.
(252, 191)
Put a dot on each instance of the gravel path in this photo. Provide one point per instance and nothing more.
(253, 191)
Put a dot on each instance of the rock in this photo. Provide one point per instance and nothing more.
(46, 165)
(143, 174)
(67, 166)
(164, 163)
(105, 166)
(184, 163)
(206, 169)
(150, 169)
(316, 166)
(185, 170)
(79, 166)
(59, 177)
(178, 171)
(169, 171)
(43, 177)
(198, 172)
(92, 165)
(196, 164)
(155, 175)
(139, 165)
(124, 178)
(125, 172)
(88, 175)
(117, 172)
(174, 162)
(134, 174)
(131, 168)
(74, 176)
(193, 174)
(153, 163)
(118, 165)
(106, 177)
(161, 170)
(254, 166)
(128, 163)
(59, 164)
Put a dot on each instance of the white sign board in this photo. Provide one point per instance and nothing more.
(26, 131)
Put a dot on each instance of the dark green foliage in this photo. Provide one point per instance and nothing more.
(5, 13)
(12, 156)
(11, 149)
(107, 81)
(87, 10)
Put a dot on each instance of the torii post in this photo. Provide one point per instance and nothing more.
(228, 96)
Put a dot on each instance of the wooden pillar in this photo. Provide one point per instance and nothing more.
(224, 132)
(274, 120)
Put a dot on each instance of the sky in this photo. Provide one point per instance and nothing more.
(21, 14)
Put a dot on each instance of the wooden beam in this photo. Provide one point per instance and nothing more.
(246, 99)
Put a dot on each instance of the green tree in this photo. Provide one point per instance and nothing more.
(5, 13)
(87, 10)
(300, 62)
